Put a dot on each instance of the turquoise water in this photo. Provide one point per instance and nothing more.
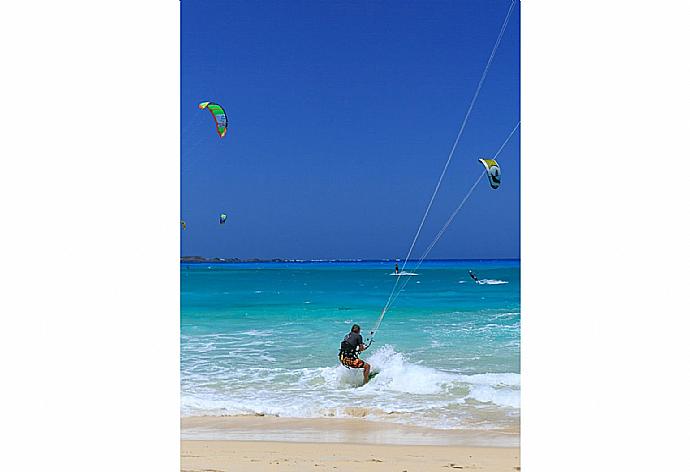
(263, 339)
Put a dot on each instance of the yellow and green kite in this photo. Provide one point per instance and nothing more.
(493, 172)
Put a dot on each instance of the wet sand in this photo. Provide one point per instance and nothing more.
(255, 443)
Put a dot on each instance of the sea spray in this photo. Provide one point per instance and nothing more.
(399, 375)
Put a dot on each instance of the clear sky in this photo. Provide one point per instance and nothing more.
(342, 114)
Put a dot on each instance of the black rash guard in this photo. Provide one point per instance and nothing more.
(350, 343)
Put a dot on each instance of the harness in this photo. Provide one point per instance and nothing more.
(347, 351)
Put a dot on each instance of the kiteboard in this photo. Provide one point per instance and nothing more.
(371, 376)
(399, 274)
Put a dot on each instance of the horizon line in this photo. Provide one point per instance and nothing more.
(280, 259)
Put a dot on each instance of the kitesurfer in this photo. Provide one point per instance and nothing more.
(397, 271)
(350, 348)
(474, 277)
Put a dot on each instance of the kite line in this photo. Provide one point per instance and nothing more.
(391, 297)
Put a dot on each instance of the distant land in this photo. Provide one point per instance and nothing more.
(235, 260)
(188, 259)
(231, 260)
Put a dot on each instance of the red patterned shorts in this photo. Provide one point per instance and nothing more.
(353, 362)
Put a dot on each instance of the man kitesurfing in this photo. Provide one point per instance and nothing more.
(350, 349)
(474, 277)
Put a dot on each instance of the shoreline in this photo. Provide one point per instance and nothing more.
(339, 430)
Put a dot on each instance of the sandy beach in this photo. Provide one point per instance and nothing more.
(270, 443)
(239, 456)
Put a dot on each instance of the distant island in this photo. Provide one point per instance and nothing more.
(200, 259)
(231, 260)
(235, 260)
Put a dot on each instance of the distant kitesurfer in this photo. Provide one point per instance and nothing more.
(474, 277)
(397, 271)
(350, 349)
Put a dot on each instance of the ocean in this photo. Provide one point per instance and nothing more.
(263, 339)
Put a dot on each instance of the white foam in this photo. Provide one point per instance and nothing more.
(502, 379)
(396, 374)
(500, 397)
(254, 332)
(491, 282)
(403, 391)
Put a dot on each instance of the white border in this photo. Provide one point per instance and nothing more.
(90, 210)
(604, 234)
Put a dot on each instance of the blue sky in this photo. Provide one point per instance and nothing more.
(341, 116)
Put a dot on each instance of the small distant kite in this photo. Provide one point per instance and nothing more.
(223, 217)
(183, 224)
(493, 172)
(219, 116)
